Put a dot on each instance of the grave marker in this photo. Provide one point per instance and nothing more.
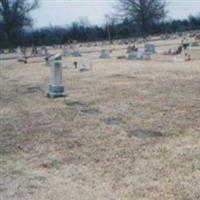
(150, 48)
(56, 87)
(76, 53)
(105, 54)
(20, 54)
(66, 52)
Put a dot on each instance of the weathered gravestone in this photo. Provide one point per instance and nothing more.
(84, 67)
(42, 51)
(20, 55)
(105, 54)
(132, 55)
(150, 48)
(67, 52)
(56, 87)
(139, 55)
(76, 53)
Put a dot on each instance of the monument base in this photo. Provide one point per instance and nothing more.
(56, 91)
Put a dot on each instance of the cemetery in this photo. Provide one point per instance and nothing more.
(126, 128)
(99, 100)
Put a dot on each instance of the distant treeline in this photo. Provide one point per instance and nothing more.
(85, 33)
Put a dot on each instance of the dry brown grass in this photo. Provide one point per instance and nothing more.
(127, 130)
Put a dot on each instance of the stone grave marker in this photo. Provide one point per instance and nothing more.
(132, 55)
(84, 68)
(150, 48)
(56, 87)
(139, 55)
(105, 54)
(66, 52)
(20, 55)
(76, 53)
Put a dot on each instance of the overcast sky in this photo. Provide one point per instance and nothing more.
(63, 12)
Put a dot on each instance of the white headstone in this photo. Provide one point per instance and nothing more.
(20, 55)
(67, 52)
(56, 87)
(84, 68)
(76, 53)
(132, 55)
(150, 48)
(105, 54)
(139, 55)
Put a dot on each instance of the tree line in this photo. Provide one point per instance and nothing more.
(138, 18)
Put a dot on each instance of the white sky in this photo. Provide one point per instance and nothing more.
(63, 12)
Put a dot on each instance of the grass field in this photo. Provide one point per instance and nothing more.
(127, 130)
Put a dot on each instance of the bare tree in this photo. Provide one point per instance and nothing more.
(14, 15)
(143, 13)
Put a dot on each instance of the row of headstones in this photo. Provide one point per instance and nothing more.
(144, 54)
(104, 54)
(134, 53)
(23, 54)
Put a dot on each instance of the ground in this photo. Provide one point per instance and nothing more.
(127, 130)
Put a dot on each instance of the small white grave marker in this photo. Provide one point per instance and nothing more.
(105, 54)
(76, 53)
(150, 48)
(66, 52)
(20, 55)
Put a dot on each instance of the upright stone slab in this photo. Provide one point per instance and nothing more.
(132, 55)
(56, 87)
(20, 55)
(150, 48)
(67, 52)
(105, 54)
(139, 55)
(76, 53)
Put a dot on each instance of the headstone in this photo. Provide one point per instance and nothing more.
(170, 51)
(56, 87)
(42, 51)
(66, 52)
(139, 55)
(150, 48)
(20, 54)
(76, 53)
(105, 54)
(84, 68)
(132, 55)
